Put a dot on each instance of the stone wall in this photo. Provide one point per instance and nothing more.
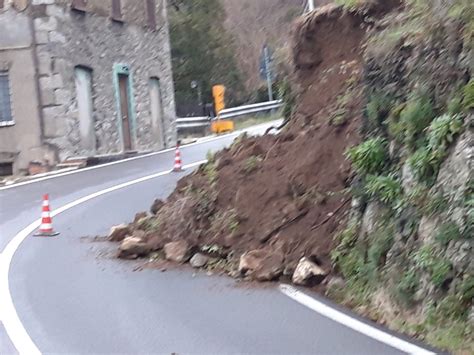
(66, 39)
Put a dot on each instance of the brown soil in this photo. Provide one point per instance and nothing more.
(284, 192)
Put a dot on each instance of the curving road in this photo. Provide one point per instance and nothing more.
(69, 296)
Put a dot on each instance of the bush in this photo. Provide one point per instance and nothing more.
(468, 101)
(442, 131)
(440, 271)
(380, 243)
(447, 232)
(385, 188)
(416, 117)
(425, 165)
(369, 157)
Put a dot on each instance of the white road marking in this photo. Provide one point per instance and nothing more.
(252, 130)
(354, 324)
(12, 323)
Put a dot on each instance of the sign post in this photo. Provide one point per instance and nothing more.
(266, 70)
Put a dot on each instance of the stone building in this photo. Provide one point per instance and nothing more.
(81, 78)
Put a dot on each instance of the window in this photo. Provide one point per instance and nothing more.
(117, 10)
(6, 117)
(151, 13)
(79, 5)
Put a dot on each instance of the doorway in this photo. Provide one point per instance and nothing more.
(157, 114)
(83, 78)
(124, 95)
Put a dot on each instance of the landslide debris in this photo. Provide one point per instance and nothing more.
(266, 205)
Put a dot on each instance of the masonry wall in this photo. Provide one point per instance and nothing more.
(20, 140)
(66, 39)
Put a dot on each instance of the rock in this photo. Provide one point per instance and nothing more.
(156, 206)
(308, 272)
(199, 260)
(261, 265)
(139, 234)
(119, 233)
(409, 181)
(178, 252)
(251, 260)
(132, 248)
(139, 216)
(270, 269)
(156, 241)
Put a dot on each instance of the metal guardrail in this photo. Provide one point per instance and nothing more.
(249, 109)
(198, 122)
(193, 122)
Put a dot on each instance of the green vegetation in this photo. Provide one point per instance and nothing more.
(210, 170)
(369, 157)
(415, 118)
(428, 258)
(378, 109)
(202, 50)
(447, 232)
(468, 101)
(407, 286)
(385, 188)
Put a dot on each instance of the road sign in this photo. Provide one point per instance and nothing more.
(218, 92)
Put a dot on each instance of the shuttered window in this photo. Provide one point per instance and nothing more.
(117, 10)
(79, 5)
(6, 117)
(151, 13)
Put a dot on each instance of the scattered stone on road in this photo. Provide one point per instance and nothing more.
(119, 233)
(178, 252)
(199, 260)
(308, 272)
(132, 248)
(261, 265)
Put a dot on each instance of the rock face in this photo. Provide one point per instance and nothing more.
(261, 265)
(308, 272)
(156, 207)
(132, 248)
(178, 252)
(199, 260)
(119, 233)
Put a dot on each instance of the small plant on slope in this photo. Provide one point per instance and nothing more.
(369, 157)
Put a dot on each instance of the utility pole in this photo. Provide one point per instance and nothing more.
(268, 71)
(310, 5)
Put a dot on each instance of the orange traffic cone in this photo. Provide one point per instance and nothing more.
(178, 166)
(46, 228)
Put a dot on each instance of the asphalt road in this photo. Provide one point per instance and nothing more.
(72, 297)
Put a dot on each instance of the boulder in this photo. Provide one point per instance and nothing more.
(139, 216)
(178, 252)
(261, 265)
(249, 261)
(156, 206)
(199, 260)
(308, 272)
(119, 233)
(270, 269)
(156, 241)
(132, 248)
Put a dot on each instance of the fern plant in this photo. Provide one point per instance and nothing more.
(368, 157)
(386, 188)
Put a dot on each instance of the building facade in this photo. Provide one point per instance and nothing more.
(83, 77)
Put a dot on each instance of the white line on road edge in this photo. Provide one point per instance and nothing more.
(12, 323)
(348, 321)
(258, 128)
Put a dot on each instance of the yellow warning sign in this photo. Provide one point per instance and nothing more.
(218, 92)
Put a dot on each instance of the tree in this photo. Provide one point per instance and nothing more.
(202, 50)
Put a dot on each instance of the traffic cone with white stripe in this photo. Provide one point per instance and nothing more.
(46, 228)
(178, 165)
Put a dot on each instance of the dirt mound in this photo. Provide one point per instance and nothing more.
(283, 193)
